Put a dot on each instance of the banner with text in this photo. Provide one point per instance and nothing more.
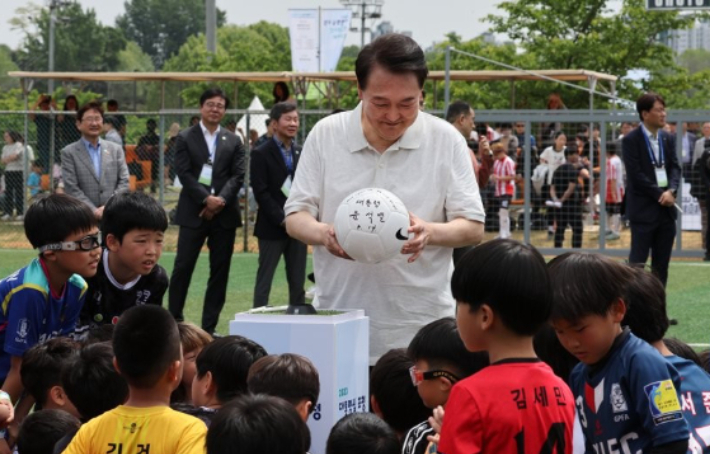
(310, 29)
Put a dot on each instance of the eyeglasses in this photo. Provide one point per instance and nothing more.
(418, 376)
(212, 105)
(88, 243)
(92, 120)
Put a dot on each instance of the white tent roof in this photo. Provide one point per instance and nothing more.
(256, 121)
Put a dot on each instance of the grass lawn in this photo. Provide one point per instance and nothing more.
(688, 290)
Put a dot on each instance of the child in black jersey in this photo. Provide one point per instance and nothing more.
(133, 226)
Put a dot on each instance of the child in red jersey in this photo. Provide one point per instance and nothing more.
(517, 404)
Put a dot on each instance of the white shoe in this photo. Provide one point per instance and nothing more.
(553, 203)
(6, 217)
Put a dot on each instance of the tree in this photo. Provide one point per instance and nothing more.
(257, 47)
(81, 42)
(161, 27)
(587, 34)
(7, 65)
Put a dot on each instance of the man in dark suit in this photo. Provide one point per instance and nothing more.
(93, 169)
(209, 161)
(273, 166)
(653, 176)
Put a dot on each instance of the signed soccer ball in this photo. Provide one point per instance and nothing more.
(371, 225)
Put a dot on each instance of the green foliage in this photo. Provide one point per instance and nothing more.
(161, 27)
(7, 65)
(258, 47)
(587, 34)
(81, 42)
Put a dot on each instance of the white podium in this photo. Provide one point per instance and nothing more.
(338, 345)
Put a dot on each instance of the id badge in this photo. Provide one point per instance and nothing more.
(286, 187)
(206, 175)
(661, 177)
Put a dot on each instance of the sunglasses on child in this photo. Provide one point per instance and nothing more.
(87, 243)
(419, 376)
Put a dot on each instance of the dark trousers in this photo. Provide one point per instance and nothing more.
(658, 239)
(570, 213)
(14, 196)
(707, 233)
(295, 254)
(220, 242)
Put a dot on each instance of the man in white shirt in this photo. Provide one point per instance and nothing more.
(386, 142)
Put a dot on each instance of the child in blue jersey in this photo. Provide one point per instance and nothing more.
(43, 299)
(625, 392)
(647, 318)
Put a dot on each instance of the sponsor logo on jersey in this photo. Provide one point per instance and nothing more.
(663, 401)
(618, 402)
(23, 328)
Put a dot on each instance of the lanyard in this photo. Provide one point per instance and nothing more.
(288, 157)
(658, 163)
(213, 149)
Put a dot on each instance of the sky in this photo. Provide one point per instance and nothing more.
(427, 24)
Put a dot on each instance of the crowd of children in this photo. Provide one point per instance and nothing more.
(535, 360)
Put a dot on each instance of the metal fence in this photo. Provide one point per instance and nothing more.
(149, 138)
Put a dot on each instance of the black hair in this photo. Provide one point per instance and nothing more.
(336, 111)
(550, 350)
(359, 433)
(42, 366)
(146, 343)
(229, 359)
(397, 397)
(211, 93)
(440, 345)
(683, 350)
(394, 52)
(151, 123)
(126, 211)
(281, 108)
(285, 92)
(570, 151)
(508, 276)
(258, 424)
(113, 121)
(612, 148)
(288, 376)
(37, 163)
(91, 382)
(16, 137)
(704, 357)
(267, 122)
(66, 101)
(111, 102)
(645, 300)
(194, 119)
(586, 284)
(65, 214)
(456, 109)
(646, 101)
(100, 333)
(41, 430)
(558, 134)
(93, 105)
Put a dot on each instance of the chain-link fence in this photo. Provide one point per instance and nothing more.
(148, 139)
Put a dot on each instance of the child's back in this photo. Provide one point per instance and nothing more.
(148, 355)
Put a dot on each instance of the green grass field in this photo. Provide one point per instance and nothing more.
(688, 290)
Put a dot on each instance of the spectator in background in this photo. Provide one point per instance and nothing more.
(554, 102)
(67, 131)
(232, 126)
(148, 150)
(267, 135)
(170, 153)
(689, 140)
(13, 156)
(565, 193)
(112, 106)
(698, 188)
(626, 128)
(43, 122)
(553, 156)
(194, 120)
(281, 92)
(520, 135)
(703, 166)
(508, 139)
(93, 169)
(34, 181)
(111, 127)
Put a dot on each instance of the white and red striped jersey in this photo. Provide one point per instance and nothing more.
(504, 168)
(614, 172)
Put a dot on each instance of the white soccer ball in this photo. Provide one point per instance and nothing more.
(371, 225)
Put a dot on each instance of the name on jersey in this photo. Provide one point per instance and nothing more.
(541, 396)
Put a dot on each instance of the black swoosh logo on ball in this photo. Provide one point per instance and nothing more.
(400, 236)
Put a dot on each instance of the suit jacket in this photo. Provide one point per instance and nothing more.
(191, 153)
(642, 191)
(268, 172)
(80, 179)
